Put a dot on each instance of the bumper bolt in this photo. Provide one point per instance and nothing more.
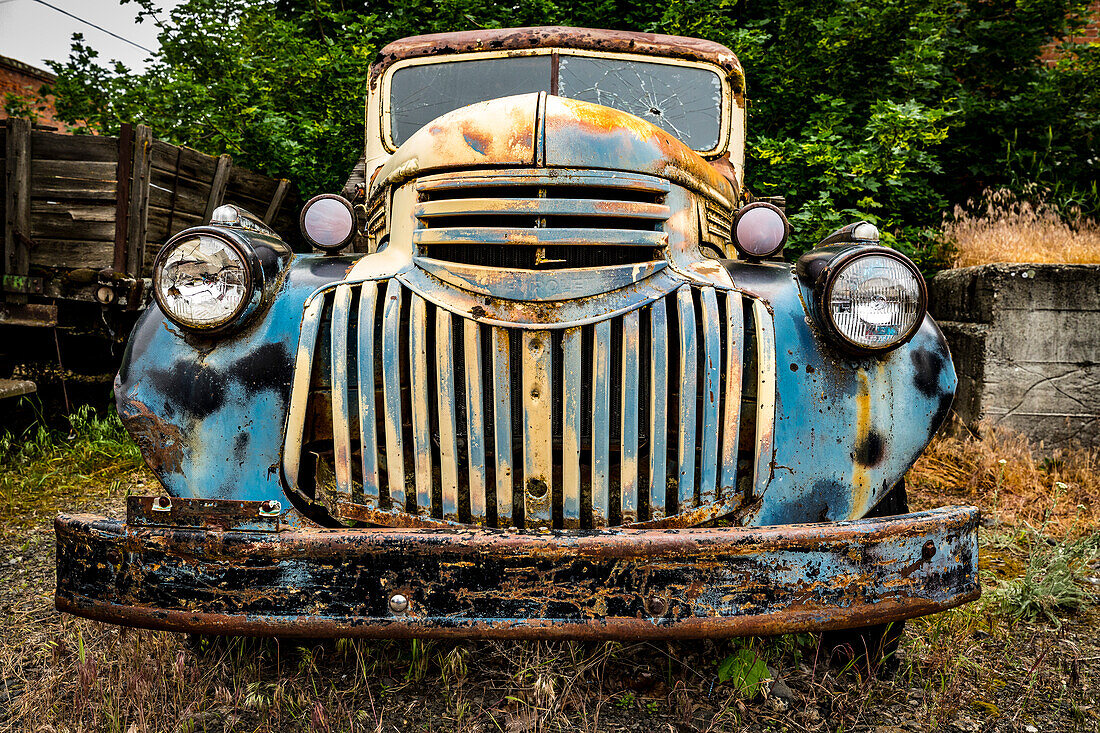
(270, 508)
(656, 606)
(162, 504)
(929, 550)
(399, 603)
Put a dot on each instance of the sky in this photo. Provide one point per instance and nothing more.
(33, 33)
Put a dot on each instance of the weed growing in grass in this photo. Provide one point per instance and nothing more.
(1003, 228)
(1054, 582)
(40, 465)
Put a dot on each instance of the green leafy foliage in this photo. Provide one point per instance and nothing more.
(744, 672)
(888, 110)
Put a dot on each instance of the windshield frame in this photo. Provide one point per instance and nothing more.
(725, 113)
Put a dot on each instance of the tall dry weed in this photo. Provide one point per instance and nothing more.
(1004, 228)
(999, 471)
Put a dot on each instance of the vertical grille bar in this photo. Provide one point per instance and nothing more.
(538, 433)
(689, 367)
(502, 409)
(712, 375)
(391, 394)
(368, 440)
(765, 393)
(658, 408)
(341, 420)
(601, 424)
(299, 394)
(475, 420)
(731, 424)
(571, 427)
(445, 393)
(630, 385)
(418, 397)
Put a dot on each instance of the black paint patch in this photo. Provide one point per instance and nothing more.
(927, 365)
(329, 267)
(240, 445)
(195, 389)
(268, 367)
(871, 450)
(943, 408)
(828, 502)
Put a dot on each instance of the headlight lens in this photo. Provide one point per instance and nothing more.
(202, 282)
(875, 301)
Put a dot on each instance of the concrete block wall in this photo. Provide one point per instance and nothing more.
(1026, 345)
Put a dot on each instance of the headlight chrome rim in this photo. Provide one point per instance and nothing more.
(247, 260)
(839, 265)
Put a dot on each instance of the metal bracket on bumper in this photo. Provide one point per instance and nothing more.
(214, 567)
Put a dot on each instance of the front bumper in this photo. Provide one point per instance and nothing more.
(223, 568)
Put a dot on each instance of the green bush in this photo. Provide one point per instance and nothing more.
(889, 110)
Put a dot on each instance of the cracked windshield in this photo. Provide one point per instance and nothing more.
(684, 101)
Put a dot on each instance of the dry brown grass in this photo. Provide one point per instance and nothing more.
(1004, 228)
(999, 471)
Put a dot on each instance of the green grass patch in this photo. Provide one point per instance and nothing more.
(41, 467)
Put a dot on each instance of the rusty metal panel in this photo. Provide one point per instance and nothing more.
(418, 396)
(624, 584)
(338, 363)
(712, 397)
(299, 395)
(475, 419)
(688, 387)
(445, 393)
(538, 433)
(391, 392)
(601, 425)
(658, 409)
(202, 514)
(502, 437)
(571, 427)
(631, 381)
(368, 431)
(731, 424)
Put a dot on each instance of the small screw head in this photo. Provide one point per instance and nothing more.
(399, 603)
(929, 550)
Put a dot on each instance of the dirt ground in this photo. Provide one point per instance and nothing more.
(976, 668)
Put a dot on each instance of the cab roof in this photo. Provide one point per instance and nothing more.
(556, 36)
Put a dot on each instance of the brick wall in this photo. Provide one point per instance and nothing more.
(1089, 34)
(25, 81)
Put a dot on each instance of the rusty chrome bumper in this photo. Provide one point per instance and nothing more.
(230, 570)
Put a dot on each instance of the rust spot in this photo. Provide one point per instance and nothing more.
(161, 443)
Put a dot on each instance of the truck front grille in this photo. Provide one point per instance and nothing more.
(405, 414)
(541, 219)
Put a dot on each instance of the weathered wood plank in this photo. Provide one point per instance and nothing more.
(62, 225)
(17, 202)
(249, 184)
(72, 253)
(276, 201)
(82, 148)
(138, 217)
(122, 198)
(183, 162)
(217, 186)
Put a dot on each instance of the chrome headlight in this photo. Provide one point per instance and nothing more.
(202, 281)
(868, 298)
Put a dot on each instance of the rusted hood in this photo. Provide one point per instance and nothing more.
(539, 130)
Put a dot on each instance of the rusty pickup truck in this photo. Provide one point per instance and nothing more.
(547, 375)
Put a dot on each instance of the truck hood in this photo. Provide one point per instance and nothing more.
(541, 130)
